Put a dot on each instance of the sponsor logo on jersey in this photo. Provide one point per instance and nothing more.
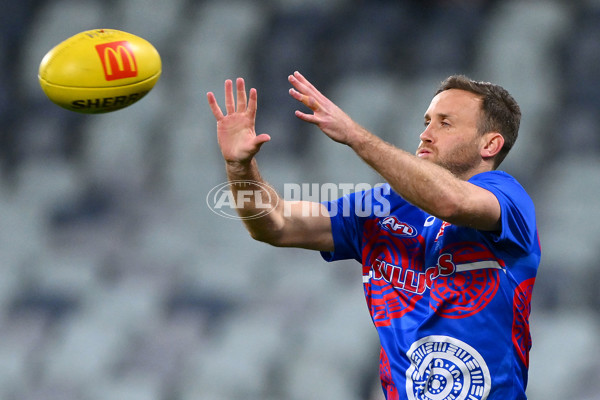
(398, 228)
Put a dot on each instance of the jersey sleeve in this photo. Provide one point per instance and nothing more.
(518, 224)
(345, 228)
(348, 215)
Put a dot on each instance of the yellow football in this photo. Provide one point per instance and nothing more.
(99, 71)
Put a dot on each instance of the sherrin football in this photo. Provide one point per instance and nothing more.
(99, 71)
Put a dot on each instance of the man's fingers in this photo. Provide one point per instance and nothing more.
(307, 117)
(262, 139)
(241, 94)
(214, 106)
(308, 101)
(312, 103)
(252, 103)
(299, 85)
(229, 101)
(302, 81)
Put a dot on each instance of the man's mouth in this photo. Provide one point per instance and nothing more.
(423, 152)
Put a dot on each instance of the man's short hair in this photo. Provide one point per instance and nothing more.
(501, 113)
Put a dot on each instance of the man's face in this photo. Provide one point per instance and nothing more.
(451, 138)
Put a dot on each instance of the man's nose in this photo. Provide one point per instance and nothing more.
(425, 136)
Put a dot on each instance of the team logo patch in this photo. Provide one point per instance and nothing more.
(445, 368)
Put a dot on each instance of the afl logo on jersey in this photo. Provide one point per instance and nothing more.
(398, 228)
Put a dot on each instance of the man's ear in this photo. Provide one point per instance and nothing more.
(492, 144)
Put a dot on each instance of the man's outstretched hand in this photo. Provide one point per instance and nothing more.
(334, 122)
(236, 132)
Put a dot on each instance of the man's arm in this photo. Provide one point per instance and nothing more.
(282, 223)
(426, 185)
(430, 187)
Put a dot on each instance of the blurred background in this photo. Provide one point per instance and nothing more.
(118, 282)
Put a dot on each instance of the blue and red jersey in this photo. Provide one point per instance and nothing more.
(450, 303)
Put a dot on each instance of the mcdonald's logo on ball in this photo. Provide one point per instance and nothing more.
(118, 60)
(99, 71)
